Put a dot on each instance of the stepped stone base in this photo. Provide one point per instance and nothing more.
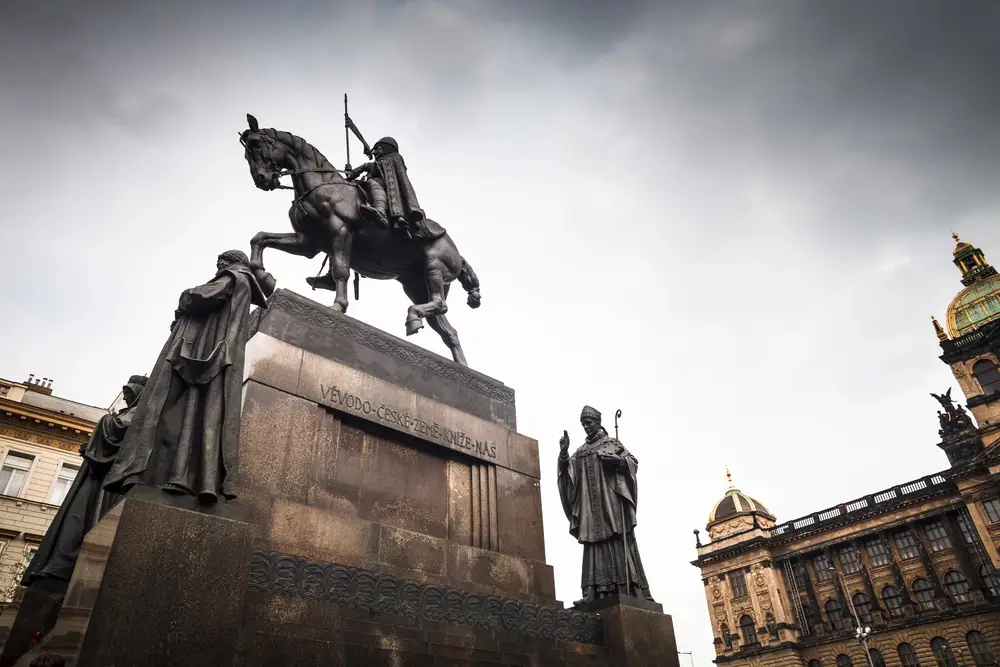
(388, 514)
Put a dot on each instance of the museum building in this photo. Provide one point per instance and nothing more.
(913, 566)
(40, 439)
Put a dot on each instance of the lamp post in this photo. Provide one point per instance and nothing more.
(861, 632)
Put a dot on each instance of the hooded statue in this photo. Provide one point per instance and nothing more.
(597, 486)
(186, 428)
(86, 501)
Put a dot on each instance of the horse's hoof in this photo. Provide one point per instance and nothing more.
(413, 326)
(337, 308)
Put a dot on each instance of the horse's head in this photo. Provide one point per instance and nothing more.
(263, 155)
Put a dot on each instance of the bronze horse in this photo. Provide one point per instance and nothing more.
(326, 217)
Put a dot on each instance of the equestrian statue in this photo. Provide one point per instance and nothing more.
(375, 227)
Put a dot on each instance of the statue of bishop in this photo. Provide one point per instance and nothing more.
(597, 485)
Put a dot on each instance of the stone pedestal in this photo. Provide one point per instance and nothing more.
(636, 632)
(392, 515)
(156, 584)
(399, 510)
(33, 617)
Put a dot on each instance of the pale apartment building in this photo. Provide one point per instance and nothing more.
(40, 438)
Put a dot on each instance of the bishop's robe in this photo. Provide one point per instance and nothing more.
(597, 486)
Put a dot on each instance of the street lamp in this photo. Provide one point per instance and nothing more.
(861, 632)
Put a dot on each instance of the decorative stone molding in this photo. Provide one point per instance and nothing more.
(294, 576)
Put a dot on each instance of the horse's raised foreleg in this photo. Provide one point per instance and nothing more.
(289, 242)
(340, 261)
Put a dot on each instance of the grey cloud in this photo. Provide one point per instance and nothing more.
(739, 212)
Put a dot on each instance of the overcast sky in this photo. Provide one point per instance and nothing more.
(729, 219)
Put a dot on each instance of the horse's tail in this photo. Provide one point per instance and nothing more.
(470, 283)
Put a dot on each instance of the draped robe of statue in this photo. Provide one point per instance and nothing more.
(400, 196)
(186, 429)
(597, 485)
(84, 505)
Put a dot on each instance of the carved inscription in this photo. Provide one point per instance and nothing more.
(350, 402)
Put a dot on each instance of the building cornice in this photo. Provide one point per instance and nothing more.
(42, 427)
(979, 341)
(41, 416)
(787, 533)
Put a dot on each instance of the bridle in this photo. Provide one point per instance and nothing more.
(265, 153)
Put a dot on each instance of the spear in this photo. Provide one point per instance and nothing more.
(349, 126)
(347, 134)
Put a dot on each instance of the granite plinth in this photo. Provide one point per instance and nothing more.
(637, 635)
(155, 585)
(615, 600)
(399, 512)
(312, 327)
(331, 488)
(388, 514)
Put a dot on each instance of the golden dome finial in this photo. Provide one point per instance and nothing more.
(729, 476)
(960, 247)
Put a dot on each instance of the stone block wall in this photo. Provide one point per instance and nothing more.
(335, 489)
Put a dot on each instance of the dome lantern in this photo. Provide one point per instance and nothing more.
(979, 302)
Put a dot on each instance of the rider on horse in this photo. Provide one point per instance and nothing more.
(390, 194)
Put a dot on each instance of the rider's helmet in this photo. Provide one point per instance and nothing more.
(389, 143)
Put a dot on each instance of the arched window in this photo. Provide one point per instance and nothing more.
(834, 612)
(893, 600)
(942, 652)
(863, 606)
(957, 586)
(907, 656)
(990, 579)
(980, 648)
(923, 592)
(749, 631)
(844, 660)
(876, 656)
(988, 376)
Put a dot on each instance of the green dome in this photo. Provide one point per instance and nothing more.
(974, 306)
